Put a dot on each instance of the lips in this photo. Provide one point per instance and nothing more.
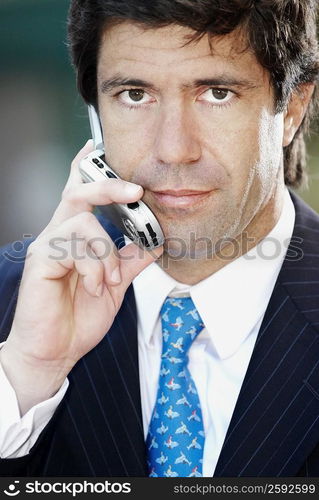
(180, 192)
(181, 198)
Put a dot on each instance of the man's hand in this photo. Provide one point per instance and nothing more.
(68, 299)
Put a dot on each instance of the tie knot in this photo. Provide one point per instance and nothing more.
(181, 323)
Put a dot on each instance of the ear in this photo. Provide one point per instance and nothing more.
(295, 110)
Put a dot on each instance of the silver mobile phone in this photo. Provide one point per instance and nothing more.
(135, 220)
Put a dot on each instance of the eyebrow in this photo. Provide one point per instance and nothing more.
(222, 81)
(112, 83)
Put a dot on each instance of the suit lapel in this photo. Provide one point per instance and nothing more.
(275, 424)
(122, 358)
(106, 396)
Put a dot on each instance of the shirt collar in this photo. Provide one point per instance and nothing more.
(151, 287)
(231, 301)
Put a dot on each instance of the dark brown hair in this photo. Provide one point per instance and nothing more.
(282, 34)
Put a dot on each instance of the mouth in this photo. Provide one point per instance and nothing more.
(182, 198)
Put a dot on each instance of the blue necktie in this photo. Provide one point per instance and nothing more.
(175, 440)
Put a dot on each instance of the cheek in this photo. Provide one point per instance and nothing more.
(250, 148)
(270, 147)
(235, 145)
(272, 135)
(126, 143)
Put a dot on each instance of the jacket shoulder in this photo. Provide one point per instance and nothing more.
(306, 217)
(300, 271)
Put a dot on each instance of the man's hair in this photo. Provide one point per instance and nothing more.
(281, 33)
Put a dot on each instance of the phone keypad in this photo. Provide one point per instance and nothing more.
(110, 174)
(133, 206)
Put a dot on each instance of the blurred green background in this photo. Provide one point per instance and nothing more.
(43, 122)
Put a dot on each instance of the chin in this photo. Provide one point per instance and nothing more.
(189, 248)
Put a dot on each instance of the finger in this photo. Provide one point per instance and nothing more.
(75, 176)
(82, 229)
(134, 259)
(104, 192)
(83, 197)
(105, 250)
(90, 269)
(51, 266)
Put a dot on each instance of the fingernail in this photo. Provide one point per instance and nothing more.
(132, 189)
(99, 290)
(116, 276)
(158, 251)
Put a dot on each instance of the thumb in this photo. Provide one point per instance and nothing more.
(75, 176)
(134, 259)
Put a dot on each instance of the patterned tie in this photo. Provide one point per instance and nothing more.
(175, 440)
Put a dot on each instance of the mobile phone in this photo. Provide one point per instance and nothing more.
(135, 220)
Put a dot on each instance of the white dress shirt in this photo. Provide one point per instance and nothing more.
(231, 302)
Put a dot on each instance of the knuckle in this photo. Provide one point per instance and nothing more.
(87, 217)
(109, 255)
(113, 253)
(69, 194)
(75, 163)
(104, 188)
(32, 248)
(35, 251)
(102, 246)
(36, 244)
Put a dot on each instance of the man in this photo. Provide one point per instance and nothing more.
(203, 106)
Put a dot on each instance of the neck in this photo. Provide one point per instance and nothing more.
(192, 271)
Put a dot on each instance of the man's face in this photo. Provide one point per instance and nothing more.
(196, 128)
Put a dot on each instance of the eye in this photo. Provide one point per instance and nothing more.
(216, 96)
(134, 97)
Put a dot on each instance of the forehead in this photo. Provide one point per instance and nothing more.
(130, 47)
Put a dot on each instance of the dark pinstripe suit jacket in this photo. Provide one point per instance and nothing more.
(274, 430)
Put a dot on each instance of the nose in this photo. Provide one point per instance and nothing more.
(176, 140)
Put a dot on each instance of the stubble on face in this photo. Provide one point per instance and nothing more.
(178, 142)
